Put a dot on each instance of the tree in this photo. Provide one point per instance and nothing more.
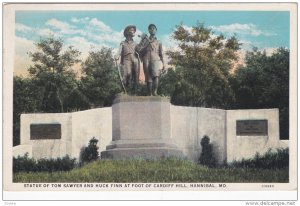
(166, 83)
(26, 99)
(202, 65)
(101, 81)
(76, 100)
(52, 71)
(264, 83)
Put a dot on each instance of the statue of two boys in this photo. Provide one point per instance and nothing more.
(149, 51)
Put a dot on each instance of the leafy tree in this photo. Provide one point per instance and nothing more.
(52, 71)
(101, 81)
(26, 99)
(167, 82)
(264, 83)
(202, 66)
(76, 99)
(52, 85)
(50, 57)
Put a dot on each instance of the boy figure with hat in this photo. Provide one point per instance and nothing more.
(129, 59)
(151, 53)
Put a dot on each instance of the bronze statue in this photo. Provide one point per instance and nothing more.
(129, 60)
(151, 53)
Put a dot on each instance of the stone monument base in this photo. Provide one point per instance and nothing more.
(141, 129)
(141, 149)
(141, 153)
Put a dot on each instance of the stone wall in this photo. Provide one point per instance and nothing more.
(190, 124)
(187, 126)
(76, 130)
(20, 150)
(48, 148)
(212, 122)
(239, 147)
(88, 124)
(184, 130)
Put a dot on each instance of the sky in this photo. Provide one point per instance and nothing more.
(91, 30)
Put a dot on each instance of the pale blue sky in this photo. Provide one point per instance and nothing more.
(93, 29)
(274, 26)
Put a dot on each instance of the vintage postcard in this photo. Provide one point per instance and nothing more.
(172, 98)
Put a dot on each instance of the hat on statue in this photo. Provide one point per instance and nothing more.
(127, 29)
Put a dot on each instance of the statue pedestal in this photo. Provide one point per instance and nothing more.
(141, 128)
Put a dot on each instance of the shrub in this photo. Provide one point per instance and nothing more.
(270, 160)
(89, 153)
(26, 164)
(60, 164)
(207, 157)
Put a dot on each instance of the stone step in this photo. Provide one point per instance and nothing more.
(141, 153)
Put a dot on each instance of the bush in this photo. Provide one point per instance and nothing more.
(270, 160)
(59, 164)
(24, 164)
(27, 164)
(89, 153)
(207, 158)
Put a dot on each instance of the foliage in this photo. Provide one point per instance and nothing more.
(89, 153)
(101, 82)
(52, 85)
(270, 160)
(164, 170)
(27, 164)
(76, 99)
(264, 83)
(60, 164)
(26, 99)
(142, 89)
(24, 164)
(52, 72)
(51, 57)
(202, 67)
(167, 83)
(207, 157)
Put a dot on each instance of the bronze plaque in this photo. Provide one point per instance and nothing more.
(45, 131)
(252, 127)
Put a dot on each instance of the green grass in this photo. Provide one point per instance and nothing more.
(165, 170)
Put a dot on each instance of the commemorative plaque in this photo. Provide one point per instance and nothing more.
(45, 131)
(252, 127)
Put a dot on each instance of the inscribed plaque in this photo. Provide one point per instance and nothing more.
(252, 127)
(45, 131)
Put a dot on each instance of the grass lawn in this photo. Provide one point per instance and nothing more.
(165, 170)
